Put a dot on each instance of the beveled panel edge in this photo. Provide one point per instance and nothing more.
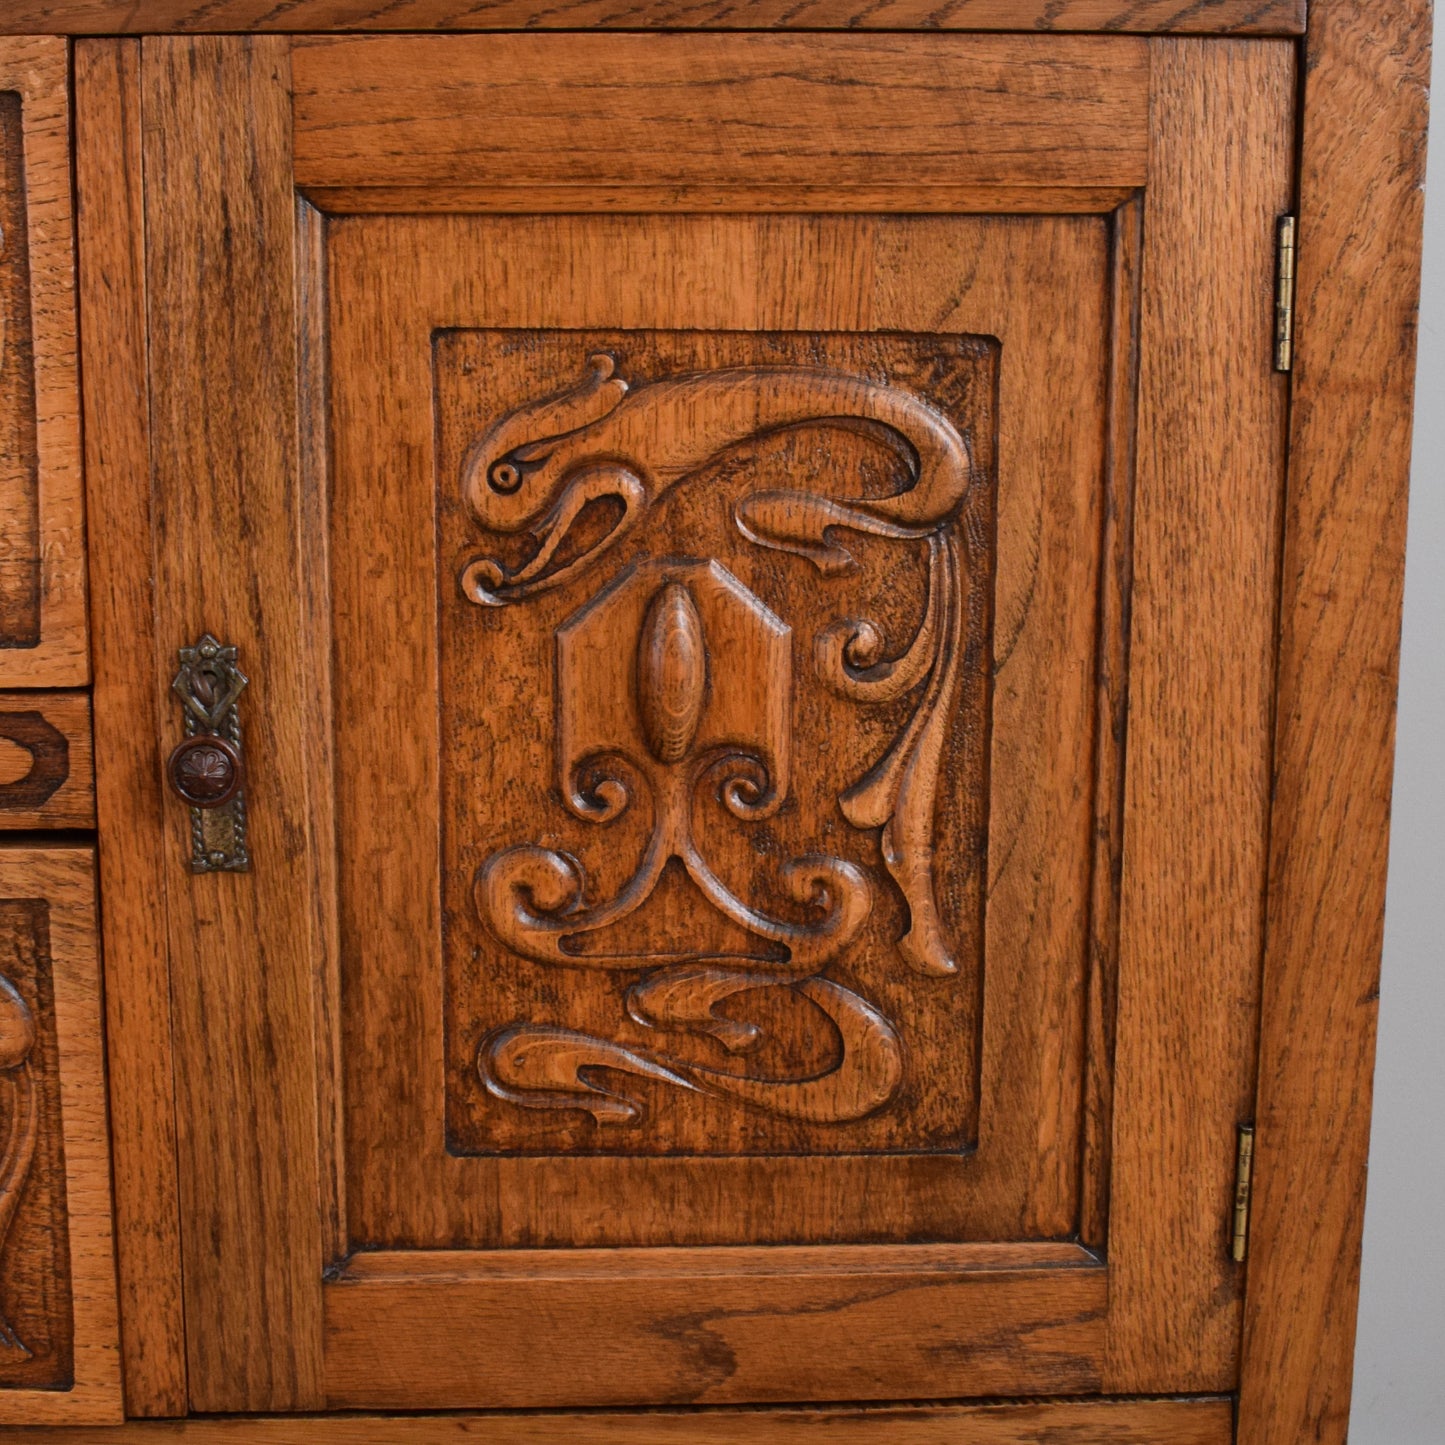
(648, 200)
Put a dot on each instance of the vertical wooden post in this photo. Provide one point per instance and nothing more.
(1361, 210)
(221, 249)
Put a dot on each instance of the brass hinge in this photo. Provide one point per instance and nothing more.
(1243, 1186)
(1284, 296)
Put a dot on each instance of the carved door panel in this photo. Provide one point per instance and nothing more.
(759, 712)
(713, 768)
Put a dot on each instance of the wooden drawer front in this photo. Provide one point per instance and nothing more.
(46, 775)
(59, 1345)
(42, 560)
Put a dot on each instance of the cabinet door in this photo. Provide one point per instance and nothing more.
(756, 558)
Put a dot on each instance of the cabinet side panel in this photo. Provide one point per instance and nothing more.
(1363, 166)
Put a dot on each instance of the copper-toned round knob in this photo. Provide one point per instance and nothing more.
(205, 771)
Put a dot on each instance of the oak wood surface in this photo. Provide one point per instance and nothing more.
(20, 546)
(97, 17)
(1116, 563)
(1358, 277)
(1059, 1422)
(705, 1325)
(56, 885)
(42, 538)
(220, 240)
(314, 458)
(720, 112)
(1207, 502)
(245, 557)
(47, 779)
(392, 284)
(138, 843)
(661, 662)
(897, 195)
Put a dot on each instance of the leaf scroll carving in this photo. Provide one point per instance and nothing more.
(540, 466)
(674, 684)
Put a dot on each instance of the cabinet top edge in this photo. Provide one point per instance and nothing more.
(124, 17)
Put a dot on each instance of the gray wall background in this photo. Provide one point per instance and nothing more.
(1400, 1355)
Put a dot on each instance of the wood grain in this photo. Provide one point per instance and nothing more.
(1030, 283)
(101, 17)
(220, 227)
(1197, 785)
(1111, 671)
(56, 887)
(898, 194)
(138, 844)
(720, 111)
(42, 539)
(46, 775)
(701, 1326)
(36, 1297)
(1059, 1422)
(837, 994)
(19, 461)
(1362, 170)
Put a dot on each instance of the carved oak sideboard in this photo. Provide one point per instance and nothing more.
(695, 713)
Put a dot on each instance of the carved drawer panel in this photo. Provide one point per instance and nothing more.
(42, 559)
(59, 1354)
(46, 771)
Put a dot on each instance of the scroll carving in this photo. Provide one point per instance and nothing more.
(543, 464)
(687, 724)
(19, 1127)
(674, 688)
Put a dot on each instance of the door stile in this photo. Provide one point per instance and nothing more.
(132, 712)
(231, 561)
(1207, 503)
